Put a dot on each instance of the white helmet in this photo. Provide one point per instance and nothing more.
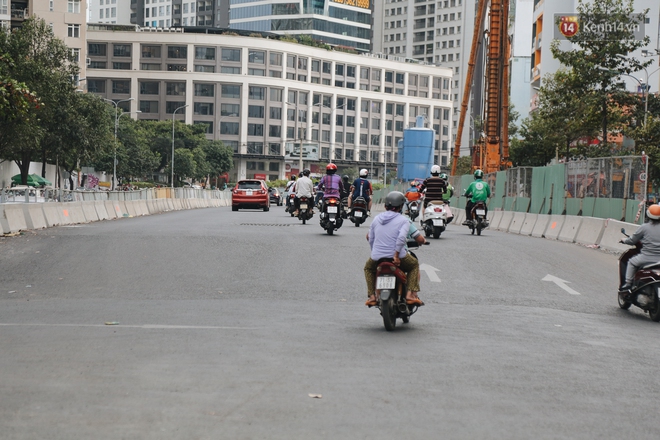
(435, 170)
(364, 172)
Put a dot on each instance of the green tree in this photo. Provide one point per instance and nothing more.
(464, 165)
(46, 66)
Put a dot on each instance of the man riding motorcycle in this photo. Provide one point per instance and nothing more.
(361, 188)
(434, 186)
(412, 194)
(649, 235)
(478, 191)
(387, 237)
(346, 187)
(304, 187)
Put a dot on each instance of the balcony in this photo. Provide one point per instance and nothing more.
(19, 14)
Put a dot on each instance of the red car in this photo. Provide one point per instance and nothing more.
(250, 193)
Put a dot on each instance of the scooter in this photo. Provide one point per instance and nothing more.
(331, 214)
(478, 222)
(305, 212)
(413, 210)
(358, 212)
(434, 220)
(645, 287)
(290, 204)
(345, 212)
(391, 289)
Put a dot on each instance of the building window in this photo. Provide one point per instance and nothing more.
(203, 108)
(121, 50)
(257, 93)
(209, 125)
(121, 87)
(73, 30)
(204, 53)
(96, 49)
(230, 70)
(150, 51)
(149, 106)
(230, 110)
(256, 111)
(204, 89)
(275, 59)
(230, 128)
(231, 55)
(256, 57)
(96, 85)
(177, 52)
(176, 88)
(231, 91)
(121, 66)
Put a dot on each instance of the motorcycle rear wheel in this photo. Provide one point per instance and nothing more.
(330, 231)
(654, 311)
(436, 232)
(388, 310)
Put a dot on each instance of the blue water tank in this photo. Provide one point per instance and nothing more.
(415, 157)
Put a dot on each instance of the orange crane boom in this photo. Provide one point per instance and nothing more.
(491, 152)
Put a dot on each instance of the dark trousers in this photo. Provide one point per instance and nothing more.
(468, 210)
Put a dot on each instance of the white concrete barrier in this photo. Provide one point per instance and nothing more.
(152, 205)
(89, 210)
(554, 226)
(507, 217)
(76, 213)
(591, 231)
(13, 218)
(4, 226)
(516, 222)
(52, 214)
(143, 206)
(64, 214)
(459, 216)
(495, 218)
(528, 224)
(130, 208)
(540, 225)
(111, 208)
(612, 234)
(34, 216)
(101, 211)
(570, 228)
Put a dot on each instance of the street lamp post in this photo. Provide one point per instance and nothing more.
(645, 86)
(114, 162)
(172, 162)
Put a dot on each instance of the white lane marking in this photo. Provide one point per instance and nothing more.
(431, 272)
(561, 283)
(144, 326)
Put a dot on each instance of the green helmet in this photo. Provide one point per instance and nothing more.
(443, 176)
(478, 174)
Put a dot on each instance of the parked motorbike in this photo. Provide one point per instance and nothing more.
(478, 220)
(645, 287)
(331, 215)
(434, 220)
(413, 209)
(358, 213)
(290, 204)
(391, 289)
(305, 212)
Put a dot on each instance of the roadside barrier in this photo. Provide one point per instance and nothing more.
(516, 223)
(528, 224)
(570, 228)
(554, 227)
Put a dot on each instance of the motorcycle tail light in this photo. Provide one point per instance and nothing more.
(332, 201)
(437, 209)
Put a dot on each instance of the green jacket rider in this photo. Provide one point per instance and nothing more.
(478, 191)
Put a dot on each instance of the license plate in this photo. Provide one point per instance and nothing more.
(438, 222)
(385, 283)
(303, 206)
(332, 209)
(248, 192)
(358, 213)
(413, 208)
(481, 212)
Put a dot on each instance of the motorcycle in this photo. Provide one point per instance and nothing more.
(290, 204)
(331, 214)
(305, 212)
(478, 220)
(358, 213)
(345, 212)
(391, 291)
(645, 289)
(434, 220)
(413, 210)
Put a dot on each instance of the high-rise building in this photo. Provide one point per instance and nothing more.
(520, 63)
(66, 19)
(435, 32)
(112, 11)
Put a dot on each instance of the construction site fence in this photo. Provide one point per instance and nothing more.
(32, 195)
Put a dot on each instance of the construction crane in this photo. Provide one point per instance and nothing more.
(491, 151)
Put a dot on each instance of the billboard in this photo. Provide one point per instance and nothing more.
(569, 25)
(310, 150)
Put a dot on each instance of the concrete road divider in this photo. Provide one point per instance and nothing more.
(101, 211)
(612, 234)
(507, 217)
(516, 222)
(89, 210)
(570, 228)
(495, 218)
(591, 231)
(554, 227)
(52, 214)
(540, 225)
(76, 213)
(143, 207)
(13, 218)
(528, 224)
(130, 208)
(34, 216)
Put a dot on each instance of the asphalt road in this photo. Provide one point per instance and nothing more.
(228, 321)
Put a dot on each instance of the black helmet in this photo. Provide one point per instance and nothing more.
(306, 171)
(344, 178)
(394, 200)
(293, 177)
(300, 174)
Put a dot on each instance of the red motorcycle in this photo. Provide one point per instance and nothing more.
(645, 288)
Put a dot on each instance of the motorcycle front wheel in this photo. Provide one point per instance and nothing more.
(654, 310)
(625, 305)
(388, 310)
(330, 231)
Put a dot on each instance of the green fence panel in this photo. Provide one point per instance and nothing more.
(522, 204)
(573, 206)
(497, 182)
(554, 186)
(508, 204)
(588, 204)
(632, 208)
(538, 194)
(608, 208)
